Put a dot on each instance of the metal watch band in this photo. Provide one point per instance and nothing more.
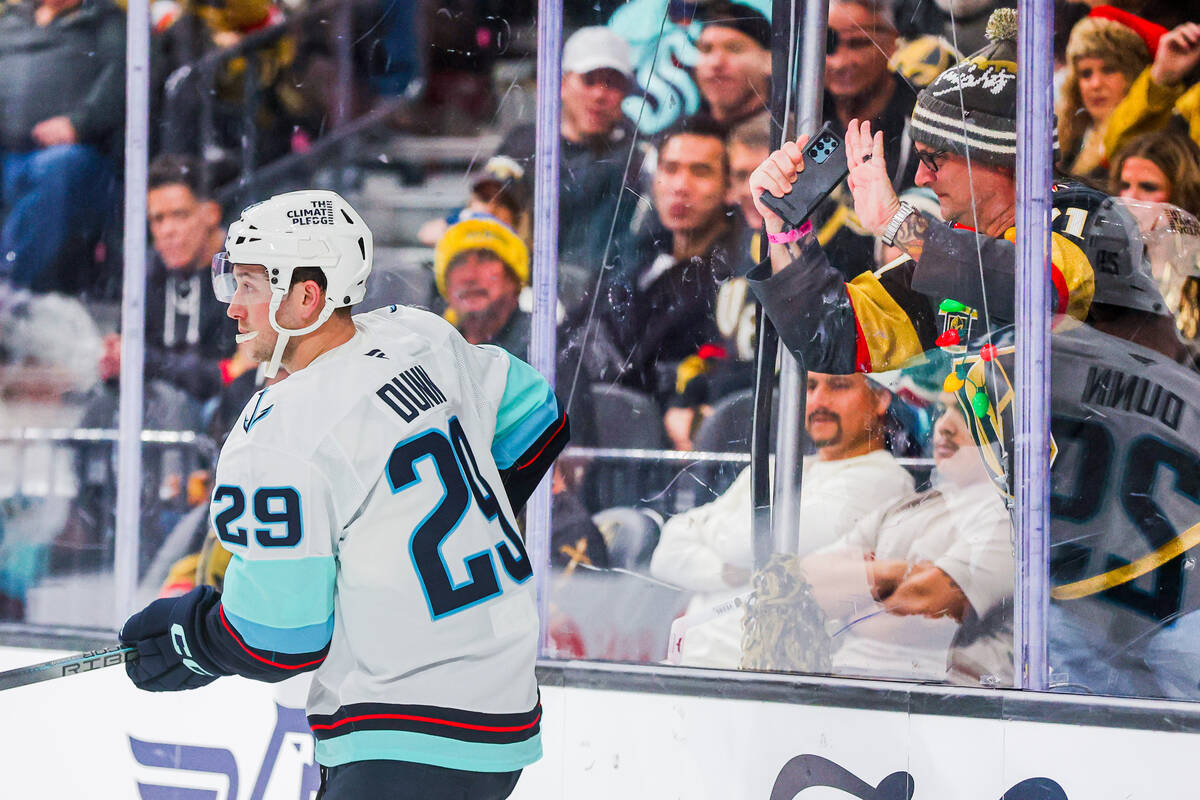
(889, 235)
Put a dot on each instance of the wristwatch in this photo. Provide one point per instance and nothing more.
(893, 226)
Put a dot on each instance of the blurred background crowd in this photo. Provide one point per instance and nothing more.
(422, 115)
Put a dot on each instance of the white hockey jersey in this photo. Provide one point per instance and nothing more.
(372, 539)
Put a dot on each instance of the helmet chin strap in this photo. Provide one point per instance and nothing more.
(287, 333)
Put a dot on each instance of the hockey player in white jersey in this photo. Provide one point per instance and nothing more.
(368, 501)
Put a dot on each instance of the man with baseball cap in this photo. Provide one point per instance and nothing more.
(595, 165)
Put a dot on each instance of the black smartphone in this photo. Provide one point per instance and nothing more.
(824, 168)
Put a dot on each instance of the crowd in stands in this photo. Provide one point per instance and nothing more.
(662, 265)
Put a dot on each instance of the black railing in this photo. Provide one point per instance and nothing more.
(199, 80)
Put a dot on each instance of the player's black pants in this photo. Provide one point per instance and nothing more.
(404, 780)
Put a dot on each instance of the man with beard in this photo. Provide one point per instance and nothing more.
(709, 550)
(481, 266)
(943, 552)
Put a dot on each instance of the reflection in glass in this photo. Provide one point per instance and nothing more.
(367, 98)
(61, 139)
(923, 588)
(1125, 499)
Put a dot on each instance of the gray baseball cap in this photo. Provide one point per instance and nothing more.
(597, 47)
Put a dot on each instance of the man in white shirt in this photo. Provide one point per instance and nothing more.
(922, 589)
(708, 550)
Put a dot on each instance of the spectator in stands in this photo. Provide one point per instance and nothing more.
(499, 190)
(481, 266)
(748, 144)
(1103, 59)
(596, 163)
(1169, 89)
(860, 84)
(189, 339)
(708, 550)
(1160, 167)
(714, 372)
(733, 70)
(943, 552)
(62, 107)
(662, 305)
(1164, 167)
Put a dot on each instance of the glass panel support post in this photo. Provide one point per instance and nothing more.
(543, 345)
(129, 412)
(1035, 119)
(793, 376)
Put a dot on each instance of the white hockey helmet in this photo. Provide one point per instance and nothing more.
(309, 228)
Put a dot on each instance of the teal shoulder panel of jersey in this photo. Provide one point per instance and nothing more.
(527, 408)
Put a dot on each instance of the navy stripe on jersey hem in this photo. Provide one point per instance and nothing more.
(449, 723)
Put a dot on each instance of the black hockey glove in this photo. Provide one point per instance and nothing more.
(166, 635)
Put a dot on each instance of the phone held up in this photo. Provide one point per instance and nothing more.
(824, 168)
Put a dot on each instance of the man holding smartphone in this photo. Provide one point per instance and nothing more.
(880, 321)
(964, 127)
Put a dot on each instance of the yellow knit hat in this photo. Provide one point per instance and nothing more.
(480, 233)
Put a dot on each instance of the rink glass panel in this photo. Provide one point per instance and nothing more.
(60, 298)
(669, 501)
(1124, 493)
(393, 105)
(624, 475)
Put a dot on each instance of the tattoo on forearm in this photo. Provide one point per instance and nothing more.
(911, 236)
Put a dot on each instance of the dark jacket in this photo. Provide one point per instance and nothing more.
(75, 66)
(188, 334)
(661, 311)
(592, 197)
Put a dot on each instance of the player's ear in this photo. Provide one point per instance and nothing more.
(311, 298)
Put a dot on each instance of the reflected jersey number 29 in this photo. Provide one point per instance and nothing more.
(461, 480)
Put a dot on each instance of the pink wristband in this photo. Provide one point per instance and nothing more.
(787, 237)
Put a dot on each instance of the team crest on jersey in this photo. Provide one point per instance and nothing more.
(251, 419)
